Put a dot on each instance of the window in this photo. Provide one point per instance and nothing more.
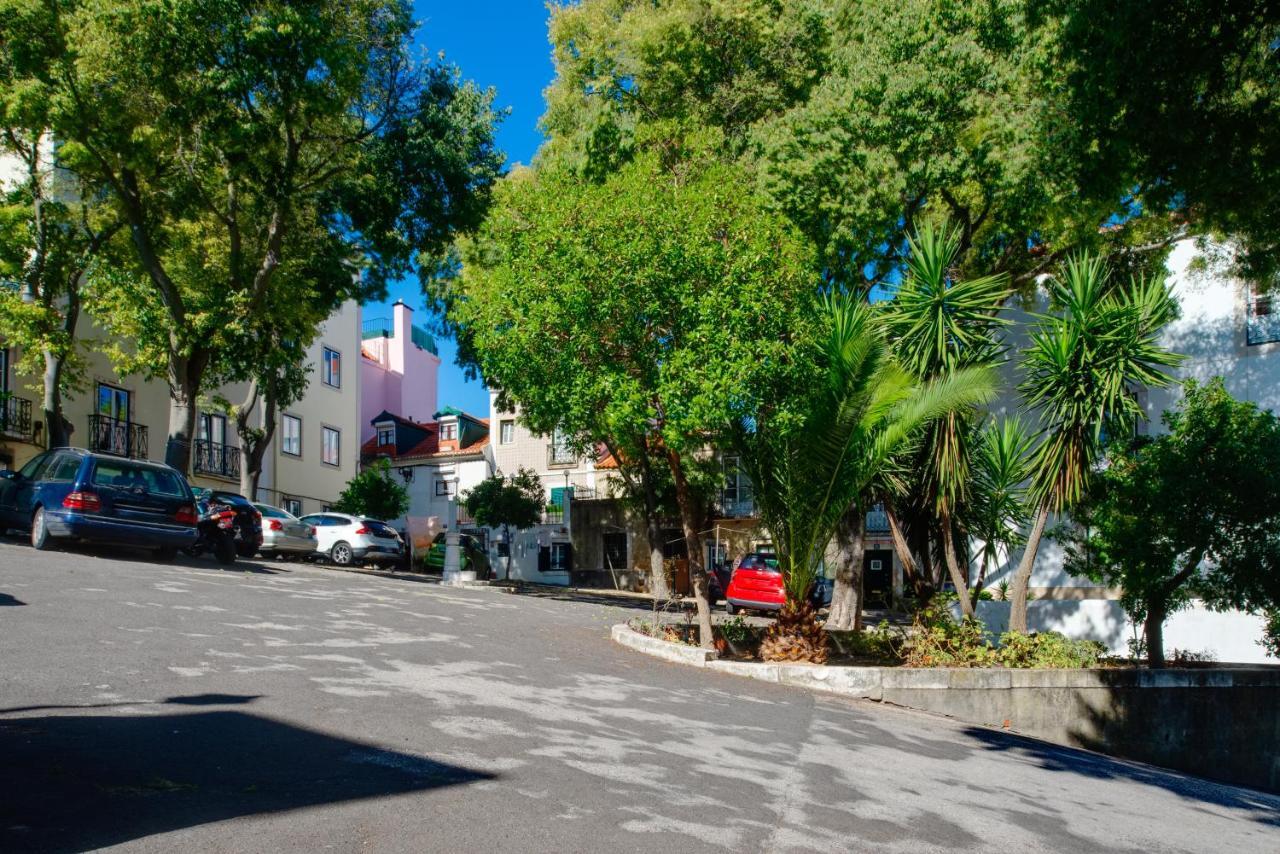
(64, 469)
(132, 476)
(35, 466)
(615, 550)
(674, 546)
(1262, 317)
(331, 368)
(448, 430)
(561, 557)
(113, 402)
(213, 428)
(507, 433)
(561, 453)
(292, 506)
(291, 435)
(446, 487)
(738, 497)
(386, 434)
(330, 445)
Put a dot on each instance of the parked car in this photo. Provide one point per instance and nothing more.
(247, 526)
(69, 493)
(285, 534)
(471, 555)
(347, 540)
(755, 584)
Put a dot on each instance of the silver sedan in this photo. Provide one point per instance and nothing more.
(284, 534)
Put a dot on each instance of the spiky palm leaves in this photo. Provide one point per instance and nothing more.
(996, 513)
(941, 325)
(810, 464)
(1080, 370)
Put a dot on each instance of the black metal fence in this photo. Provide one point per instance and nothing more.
(216, 459)
(15, 417)
(123, 438)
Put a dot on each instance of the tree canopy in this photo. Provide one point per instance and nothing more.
(375, 493)
(1194, 512)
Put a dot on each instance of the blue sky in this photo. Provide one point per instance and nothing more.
(502, 44)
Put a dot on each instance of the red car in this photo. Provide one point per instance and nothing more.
(755, 584)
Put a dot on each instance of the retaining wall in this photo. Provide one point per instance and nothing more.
(1217, 722)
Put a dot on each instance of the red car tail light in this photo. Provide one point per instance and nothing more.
(276, 526)
(311, 532)
(362, 530)
(82, 501)
(227, 519)
(186, 515)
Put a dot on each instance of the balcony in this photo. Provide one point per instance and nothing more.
(216, 460)
(122, 438)
(376, 327)
(735, 507)
(877, 520)
(559, 456)
(15, 418)
(553, 514)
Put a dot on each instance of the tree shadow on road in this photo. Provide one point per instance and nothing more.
(1262, 807)
(73, 783)
(6, 599)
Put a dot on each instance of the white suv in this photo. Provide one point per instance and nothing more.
(348, 540)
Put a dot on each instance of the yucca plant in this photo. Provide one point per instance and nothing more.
(940, 325)
(1081, 368)
(996, 514)
(812, 462)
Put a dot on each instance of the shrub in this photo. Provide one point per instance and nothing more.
(736, 631)
(1271, 633)
(882, 644)
(1048, 650)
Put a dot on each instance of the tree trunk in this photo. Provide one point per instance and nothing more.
(900, 546)
(846, 599)
(953, 566)
(254, 442)
(506, 534)
(185, 376)
(54, 425)
(659, 588)
(1022, 578)
(1153, 628)
(689, 521)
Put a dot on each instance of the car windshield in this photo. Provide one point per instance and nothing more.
(230, 498)
(378, 528)
(126, 475)
(272, 512)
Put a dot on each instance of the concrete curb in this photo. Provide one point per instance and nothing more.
(677, 652)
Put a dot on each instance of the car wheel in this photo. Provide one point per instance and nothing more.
(40, 538)
(225, 550)
(341, 554)
(166, 553)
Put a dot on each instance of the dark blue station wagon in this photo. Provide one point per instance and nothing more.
(68, 493)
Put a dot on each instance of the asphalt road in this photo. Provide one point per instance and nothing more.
(274, 707)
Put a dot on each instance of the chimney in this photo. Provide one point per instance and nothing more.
(402, 320)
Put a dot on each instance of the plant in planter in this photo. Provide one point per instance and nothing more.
(738, 637)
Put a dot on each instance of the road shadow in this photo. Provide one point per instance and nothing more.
(1262, 807)
(74, 783)
(562, 594)
(7, 600)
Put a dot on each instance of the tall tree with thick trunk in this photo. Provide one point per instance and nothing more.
(1080, 368)
(647, 310)
(235, 139)
(847, 596)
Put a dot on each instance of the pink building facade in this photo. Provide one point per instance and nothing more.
(399, 370)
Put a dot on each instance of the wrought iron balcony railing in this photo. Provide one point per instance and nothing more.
(559, 455)
(731, 507)
(216, 459)
(123, 438)
(15, 417)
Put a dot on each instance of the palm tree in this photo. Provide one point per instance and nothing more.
(1080, 369)
(812, 459)
(940, 326)
(996, 514)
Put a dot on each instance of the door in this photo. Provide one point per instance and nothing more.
(212, 436)
(324, 526)
(877, 575)
(16, 490)
(112, 433)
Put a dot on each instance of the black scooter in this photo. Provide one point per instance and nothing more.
(217, 532)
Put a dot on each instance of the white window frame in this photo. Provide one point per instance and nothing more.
(446, 487)
(328, 376)
(507, 431)
(289, 504)
(325, 430)
(448, 431)
(389, 429)
(285, 437)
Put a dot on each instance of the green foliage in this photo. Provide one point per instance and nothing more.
(1048, 650)
(937, 640)
(819, 445)
(736, 630)
(1081, 364)
(1194, 512)
(1180, 100)
(997, 513)
(374, 493)
(511, 502)
(1271, 633)
(879, 645)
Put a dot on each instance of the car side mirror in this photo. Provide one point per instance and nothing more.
(9, 475)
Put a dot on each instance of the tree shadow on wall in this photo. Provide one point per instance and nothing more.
(72, 783)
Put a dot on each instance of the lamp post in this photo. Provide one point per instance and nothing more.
(453, 573)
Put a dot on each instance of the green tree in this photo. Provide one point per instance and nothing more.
(1079, 369)
(813, 453)
(374, 492)
(940, 325)
(1194, 512)
(656, 306)
(1180, 101)
(234, 137)
(996, 514)
(506, 503)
